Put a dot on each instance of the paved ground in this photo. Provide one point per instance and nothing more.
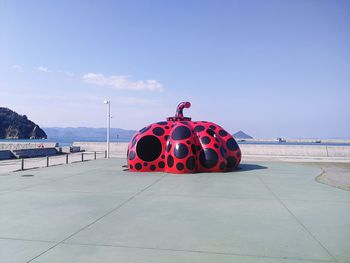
(96, 212)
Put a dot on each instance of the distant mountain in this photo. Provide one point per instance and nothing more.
(242, 135)
(15, 126)
(84, 132)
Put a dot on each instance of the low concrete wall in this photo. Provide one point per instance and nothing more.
(295, 150)
(6, 154)
(26, 145)
(117, 148)
(338, 151)
(247, 149)
(39, 152)
(70, 149)
(298, 140)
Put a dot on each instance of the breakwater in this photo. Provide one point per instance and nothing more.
(308, 151)
(119, 149)
(10, 150)
(26, 145)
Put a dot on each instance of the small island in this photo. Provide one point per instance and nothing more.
(16, 126)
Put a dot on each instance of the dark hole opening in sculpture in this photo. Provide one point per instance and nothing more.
(149, 148)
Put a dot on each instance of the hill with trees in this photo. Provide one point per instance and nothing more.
(15, 126)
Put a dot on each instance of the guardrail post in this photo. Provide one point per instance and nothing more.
(22, 165)
(67, 158)
(95, 155)
(47, 161)
(82, 157)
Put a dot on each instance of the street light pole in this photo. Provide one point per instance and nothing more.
(108, 102)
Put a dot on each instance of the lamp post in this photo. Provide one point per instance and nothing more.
(108, 102)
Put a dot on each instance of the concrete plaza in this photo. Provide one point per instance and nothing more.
(97, 212)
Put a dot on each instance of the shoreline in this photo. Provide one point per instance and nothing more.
(241, 141)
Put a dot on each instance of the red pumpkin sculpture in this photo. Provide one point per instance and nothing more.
(179, 145)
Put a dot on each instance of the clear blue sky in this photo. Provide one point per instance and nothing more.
(269, 68)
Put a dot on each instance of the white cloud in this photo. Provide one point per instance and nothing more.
(122, 82)
(43, 69)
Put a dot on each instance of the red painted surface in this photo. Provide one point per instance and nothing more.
(180, 145)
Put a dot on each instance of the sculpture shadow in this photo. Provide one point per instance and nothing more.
(241, 168)
(249, 167)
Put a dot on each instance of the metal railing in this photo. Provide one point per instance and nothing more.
(30, 163)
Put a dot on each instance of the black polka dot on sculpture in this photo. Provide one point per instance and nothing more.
(188, 142)
(231, 144)
(193, 149)
(143, 130)
(180, 166)
(138, 166)
(190, 163)
(216, 146)
(167, 127)
(170, 161)
(145, 164)
(222, 166)
(153, 167)
(168, 146)
(222, 151)
(166, 137)
(231, 162)
(205, 140)
(158, 131)
(212, 127)
(162, 123)
(132, 155)
(161, 164)
(163, 156)
(208, 158)
(131, 166)
(199, 128)
(211, 132)
(222, 133)
(181, 133)
(180, 150)
(133, 142)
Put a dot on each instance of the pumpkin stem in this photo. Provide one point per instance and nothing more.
(180, 107)
(179, 116)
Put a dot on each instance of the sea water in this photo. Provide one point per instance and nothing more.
(68, 141)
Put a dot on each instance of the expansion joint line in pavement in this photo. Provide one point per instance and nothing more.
(296, 218)
(202, 252)
(98, 219)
